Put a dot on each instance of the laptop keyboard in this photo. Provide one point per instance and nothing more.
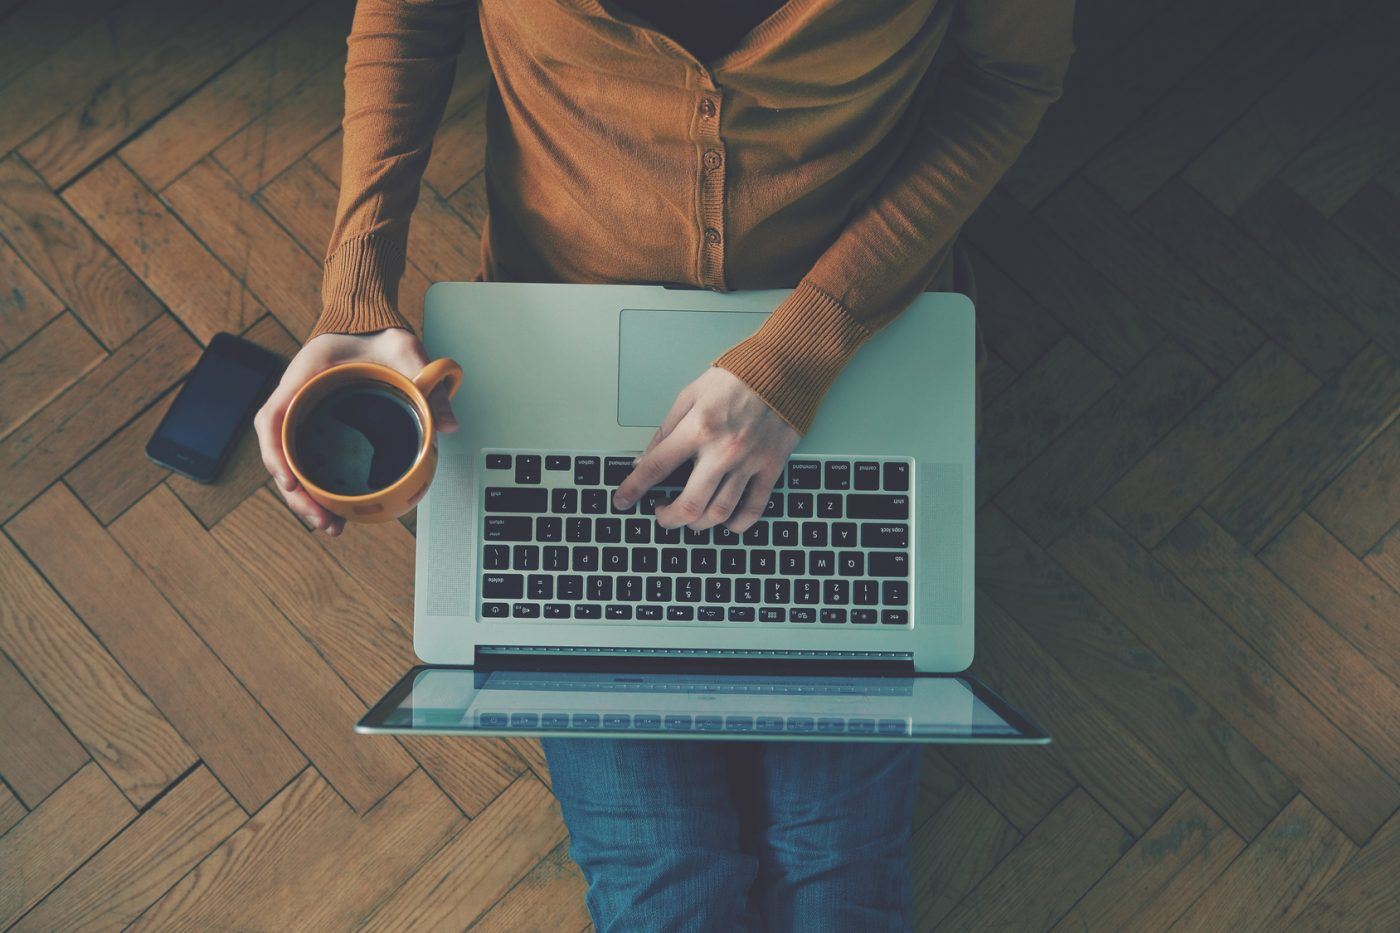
(832, 547)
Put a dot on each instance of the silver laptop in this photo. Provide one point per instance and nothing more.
(845, 613)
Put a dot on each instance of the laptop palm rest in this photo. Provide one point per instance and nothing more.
(659, 352)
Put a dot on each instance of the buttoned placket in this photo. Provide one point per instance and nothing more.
(710, 167)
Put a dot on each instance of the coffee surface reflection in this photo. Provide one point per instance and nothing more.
(359, 439)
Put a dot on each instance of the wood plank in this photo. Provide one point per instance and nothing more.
(1372, 218)
(938, 782)
(996, 375)
(133, 97)
(41, 369)
(1363, 896)
(1326, 765)
(262, 649)
(1160, 285)
(1340, 588)
(309, 862)
(201, 292)
(1280, 477)
(360, 642)
(224, 725)
(238, 94)
(1363, 502)
(1047, 872)
(118, 472)
(470, 202)
(1291, 313)
(443, 245)
(81, 682)
(26, 304)
(549, 898)
(244, 472)
(1014, 325)
(47, 445)
(1105, 758)
(1108, 440)
(1275, 876)
(37, 753)
(79, 268)
(1286, 119)
(1384, 559)
(57, 837)
(1351, 152)
(459, 147)
(380, 558)
(1024, 784)
(1099, 315)
(1327, 259)
(35, 31)
(1182, 469)
(1133, 684)
(143, 861)
(1036, 409)
(11, 810)
(1339, 680)
(954, 851)
(498, 848)
(1163, 873)
(256, 250)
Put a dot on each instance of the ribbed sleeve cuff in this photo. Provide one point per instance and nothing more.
(360, 287)
(797, 354)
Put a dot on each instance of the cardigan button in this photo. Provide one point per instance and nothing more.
(707, 108)
(712, 159)
(711, 235)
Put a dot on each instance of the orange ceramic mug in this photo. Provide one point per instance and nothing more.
(375, 381)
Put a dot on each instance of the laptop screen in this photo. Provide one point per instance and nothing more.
(698, 705)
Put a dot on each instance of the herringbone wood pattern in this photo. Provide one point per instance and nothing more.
(1188, 549)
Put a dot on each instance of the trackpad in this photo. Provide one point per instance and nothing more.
(660, 352)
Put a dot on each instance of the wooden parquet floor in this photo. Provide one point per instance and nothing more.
(1188, 537)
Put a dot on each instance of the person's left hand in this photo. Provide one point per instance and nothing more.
(740, 447)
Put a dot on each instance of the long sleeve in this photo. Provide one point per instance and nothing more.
(1009, 67)
(402, 55)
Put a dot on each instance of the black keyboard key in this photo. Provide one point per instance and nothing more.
(673, 560)
(503, 528)
(585, 471)
(594, 501)
(843, 534)
(747, 590)
(648, 613)
(894, 617)
(777, 590)
(741, 613)
(502, 586)
(772, 614)
(774, 508)
(863, 616)
(828, 506)
(876, 534)
(757, 535)
(540, 586)
(792, 563)
(709, 613)
(697, 537)
(644, 560)
(578, 530)
(833, 615)
(630, 510)
(667, 535)
(588, 611)
(725, 537)
(863, 505)
(688, 590)
(525, 557)
(806, 592)
(799, 505)
(738, 724)
(717, 589)
(585, 559)
(821, 563)
(637, 531)
(702, 560)
(838, 474)
(677, 721)
(495, 557)
(865, 592)
(850, 564)
(615, 560)
(607, 530)
(498, 461)
(889, 564)
(549, 529)
(800, 614)
(785, 534)
(555, 558)
(557, 611)
(732, 560)
(563, 501)
(814, 534)
(836, 592)
(652, 500)
(629, 588)
(617, 613)
(510, 499)
(895, 592)
(599, 587)
(527, 469)
(571, 586)
(679, 476)
(708, 723)
(867, 475)
(763, 561)
(896, 477)
(494, 610)
(556, 462)
(615, 470)
(680, 613)
(804, 474)
(525, 611)
(658, 589)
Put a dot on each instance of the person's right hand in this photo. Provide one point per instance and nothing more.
(394, 347)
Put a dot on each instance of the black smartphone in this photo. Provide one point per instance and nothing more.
(223, 391)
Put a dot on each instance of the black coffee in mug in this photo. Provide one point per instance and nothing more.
(358, 439)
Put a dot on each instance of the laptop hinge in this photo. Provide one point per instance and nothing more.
(694, 660)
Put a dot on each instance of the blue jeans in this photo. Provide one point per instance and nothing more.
(713, 835)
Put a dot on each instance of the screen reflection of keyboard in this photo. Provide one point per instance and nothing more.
(683, 722)
(832, 546)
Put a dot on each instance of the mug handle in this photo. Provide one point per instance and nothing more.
(436, 373)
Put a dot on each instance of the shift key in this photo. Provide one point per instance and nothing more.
(875, 506)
